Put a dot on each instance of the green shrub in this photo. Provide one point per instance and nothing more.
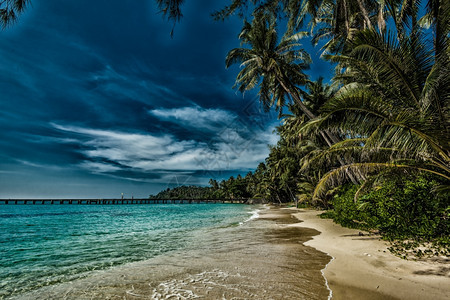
(399, 206)
(345, 211)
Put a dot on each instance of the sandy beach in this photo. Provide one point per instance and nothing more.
(276, 253)
(363, 268)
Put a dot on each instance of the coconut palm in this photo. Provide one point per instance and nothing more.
(333, 20)
(277, 67)
(393, 107)
(317, 93)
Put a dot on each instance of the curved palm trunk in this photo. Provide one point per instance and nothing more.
(303, 107)
(327, 136)
(293, 197)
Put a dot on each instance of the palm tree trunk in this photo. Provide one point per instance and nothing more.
(302, 106)
(292, 195)
(325, 137)
(325, 134)
(278, 197)
(347, 24)
(329, 138)
(365, 15)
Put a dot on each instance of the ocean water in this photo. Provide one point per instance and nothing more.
(185, 251)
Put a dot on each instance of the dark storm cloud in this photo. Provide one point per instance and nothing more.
(98, 92)
(97, 99)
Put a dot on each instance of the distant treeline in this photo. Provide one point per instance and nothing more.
(185, 192)
(232, 188)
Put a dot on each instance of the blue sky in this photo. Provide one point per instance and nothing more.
(97, 100)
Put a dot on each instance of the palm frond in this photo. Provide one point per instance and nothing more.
(339, 175)
(10, 11)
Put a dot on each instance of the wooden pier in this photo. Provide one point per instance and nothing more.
(113, 201)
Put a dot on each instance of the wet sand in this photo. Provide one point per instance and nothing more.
(363, 268)
(264, 258)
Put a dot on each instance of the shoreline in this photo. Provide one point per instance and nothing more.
(363, 268)
(277, 253)
(260, 258)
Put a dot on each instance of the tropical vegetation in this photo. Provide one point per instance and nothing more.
(372, 146)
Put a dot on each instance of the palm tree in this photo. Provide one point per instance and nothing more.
(214, 184)
(333, 20)
(393, 107)
(10, 11)
(277, 68)
(317, 93)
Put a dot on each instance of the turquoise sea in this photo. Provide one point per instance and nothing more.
(132, 251)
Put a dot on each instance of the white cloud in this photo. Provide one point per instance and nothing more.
(232, 148)
(99, 167)
(196, 117)
(39, 165)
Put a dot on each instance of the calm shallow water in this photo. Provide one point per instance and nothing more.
(209, 251)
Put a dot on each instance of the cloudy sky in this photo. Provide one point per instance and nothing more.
(97, 100)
